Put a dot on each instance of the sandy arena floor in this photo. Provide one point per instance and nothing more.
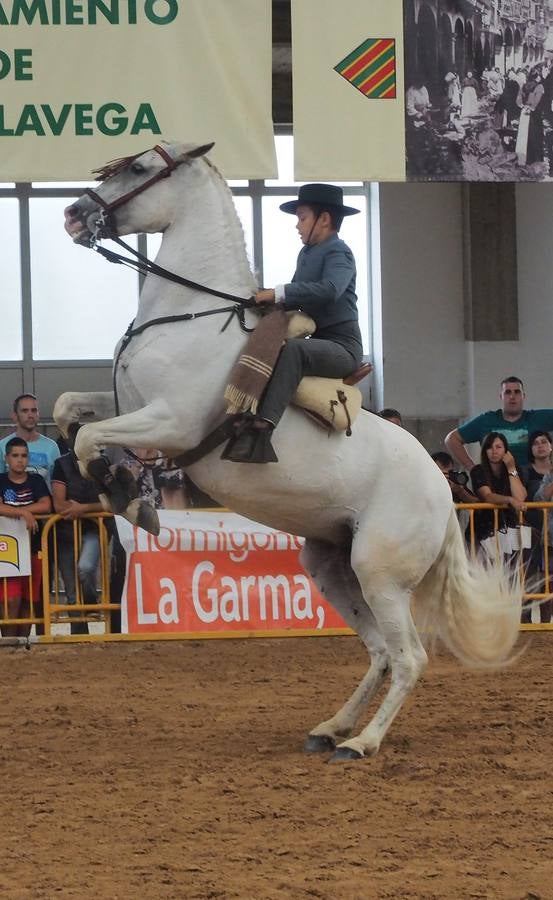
(175, 770)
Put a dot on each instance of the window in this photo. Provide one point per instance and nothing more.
(11, 334)
(68, 303)
(81, 304)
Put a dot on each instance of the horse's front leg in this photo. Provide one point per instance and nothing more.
(74, 407)
(153, 426)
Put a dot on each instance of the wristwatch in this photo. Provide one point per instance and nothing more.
(513, 472)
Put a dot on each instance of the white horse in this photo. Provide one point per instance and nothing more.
(375, 510)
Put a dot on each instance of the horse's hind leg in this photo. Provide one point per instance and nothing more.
(330, 569)
(391, 609)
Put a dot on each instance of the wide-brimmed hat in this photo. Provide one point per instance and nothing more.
(327, 195)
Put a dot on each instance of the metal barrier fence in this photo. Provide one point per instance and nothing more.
(49, 607)
(53, 613)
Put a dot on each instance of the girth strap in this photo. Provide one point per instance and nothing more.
(212, 440)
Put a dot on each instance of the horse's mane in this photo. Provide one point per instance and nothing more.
(114, 166)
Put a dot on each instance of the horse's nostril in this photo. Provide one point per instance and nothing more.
(72, 210)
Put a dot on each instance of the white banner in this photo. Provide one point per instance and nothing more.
(86, 81)
(15, 555)
(348, 90)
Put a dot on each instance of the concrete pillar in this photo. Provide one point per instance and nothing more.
(490, 262)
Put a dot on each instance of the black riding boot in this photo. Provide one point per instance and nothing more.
(251, 444)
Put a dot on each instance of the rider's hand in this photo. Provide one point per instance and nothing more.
(265, 295)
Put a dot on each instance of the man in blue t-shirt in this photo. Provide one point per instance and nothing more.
(513, 421)
(43, 451)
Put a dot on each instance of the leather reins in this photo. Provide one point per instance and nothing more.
(145, 266)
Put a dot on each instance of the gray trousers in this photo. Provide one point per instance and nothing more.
(301, 357)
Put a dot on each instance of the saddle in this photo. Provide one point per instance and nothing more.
(332, 402)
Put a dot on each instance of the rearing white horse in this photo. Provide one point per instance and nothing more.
(375, 510)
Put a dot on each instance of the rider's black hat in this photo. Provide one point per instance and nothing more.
(326, 195)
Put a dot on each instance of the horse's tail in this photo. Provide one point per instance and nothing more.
(474, 609)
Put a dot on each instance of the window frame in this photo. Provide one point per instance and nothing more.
(256, 190)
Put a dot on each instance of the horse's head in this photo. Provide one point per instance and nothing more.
(108, 209)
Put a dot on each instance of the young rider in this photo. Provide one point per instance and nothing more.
(323, 287)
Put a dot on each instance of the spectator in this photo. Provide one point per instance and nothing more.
(512, 420)
(458, 484)
(74, 497)
(540, 449)
(392, 415)
(43, 452)
(458, 481)
(144, 464)
(540, 481)
(497, 480)
(23, 495)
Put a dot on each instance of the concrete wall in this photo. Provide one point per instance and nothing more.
(430, 372)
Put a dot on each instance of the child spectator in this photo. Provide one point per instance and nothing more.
(23, 495)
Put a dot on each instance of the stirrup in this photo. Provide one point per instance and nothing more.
(251, 445)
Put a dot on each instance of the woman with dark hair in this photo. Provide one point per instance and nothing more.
(497, 480)
(540, 450)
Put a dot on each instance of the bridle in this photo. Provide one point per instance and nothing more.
(104, 228)
(170, 166)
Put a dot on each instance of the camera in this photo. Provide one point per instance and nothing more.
(460, 478)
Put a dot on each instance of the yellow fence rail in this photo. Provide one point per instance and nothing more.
(50, 616)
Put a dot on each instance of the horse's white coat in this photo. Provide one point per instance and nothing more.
(376, 510)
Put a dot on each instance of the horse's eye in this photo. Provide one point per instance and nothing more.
(137, 169)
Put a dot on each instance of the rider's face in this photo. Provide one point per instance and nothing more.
(308, 225)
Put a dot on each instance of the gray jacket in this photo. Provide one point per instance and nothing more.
(323, 285)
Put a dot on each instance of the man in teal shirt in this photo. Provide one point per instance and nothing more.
(515, 422)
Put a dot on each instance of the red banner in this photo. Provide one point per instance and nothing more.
(216, 572)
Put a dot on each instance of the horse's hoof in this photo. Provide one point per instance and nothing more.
(344, 754)
(127, 482)
(319, 743)
(148, 518)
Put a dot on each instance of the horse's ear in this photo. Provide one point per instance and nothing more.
(195, 152)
